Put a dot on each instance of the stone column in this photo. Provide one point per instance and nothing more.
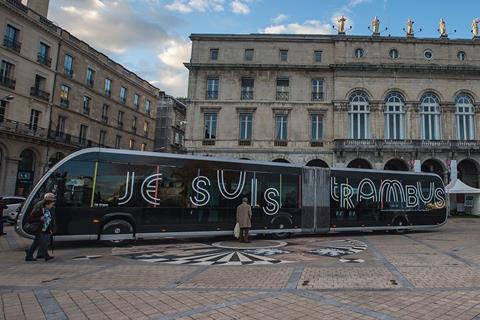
(412, 118)
(10, 176)
(448, 121)
(377, 120)
(477, 121)
(340, 120)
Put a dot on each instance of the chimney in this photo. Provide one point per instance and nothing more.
(39, 6)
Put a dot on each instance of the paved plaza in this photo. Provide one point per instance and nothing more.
(418, 275)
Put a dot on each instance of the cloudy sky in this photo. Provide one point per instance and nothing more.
(150, 37)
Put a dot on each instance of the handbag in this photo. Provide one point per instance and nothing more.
(236, 230)
(32, 227)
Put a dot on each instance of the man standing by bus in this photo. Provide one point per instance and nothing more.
(244, 216)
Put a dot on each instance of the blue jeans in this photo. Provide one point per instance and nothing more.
(40, 242)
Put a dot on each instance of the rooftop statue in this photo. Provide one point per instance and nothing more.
(410, 27)
(375, 25)
(341, 25)
(442, 28)
(475, 27)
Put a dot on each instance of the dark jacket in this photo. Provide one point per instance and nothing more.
(37, 217)
(2, 206)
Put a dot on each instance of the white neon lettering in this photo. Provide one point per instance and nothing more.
(202, 196)
(346, 194)
(223, 190)
(128, 189)
(273, 206)
(149, 189)
(363, 194)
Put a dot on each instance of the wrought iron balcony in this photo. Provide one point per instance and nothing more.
(20, 128)
(12, 44)
(104, 118)
(7, 82)
(64, 102)
(244, 142)
(89, 83)
(246, 95)
(282, 95)
(280, 143)
(44, 60)
(37, 92)
(208, 142)
(108, 93)
(68, 72)
(212, 95)
(404, 145)
(316, 143)
(317, 96)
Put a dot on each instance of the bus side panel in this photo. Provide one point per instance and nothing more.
(308, 199)
(323, 200)
(316, 200)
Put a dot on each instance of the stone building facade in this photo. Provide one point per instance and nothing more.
(170, 124)
(63, 95)
(400, 103)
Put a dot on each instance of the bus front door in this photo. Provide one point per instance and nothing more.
(316, 200)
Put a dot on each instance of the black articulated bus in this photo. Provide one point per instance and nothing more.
(118, 195)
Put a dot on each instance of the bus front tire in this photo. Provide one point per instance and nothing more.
(280, 235)
(400, 222)
(117, 227)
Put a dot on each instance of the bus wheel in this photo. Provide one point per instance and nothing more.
(116, 232)
(400, 222)
(281, 235)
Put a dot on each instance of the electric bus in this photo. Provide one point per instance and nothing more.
(120, 195)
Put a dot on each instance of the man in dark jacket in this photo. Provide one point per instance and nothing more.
(3, 205)
(244, 216)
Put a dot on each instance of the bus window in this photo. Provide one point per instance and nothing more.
(73, 184)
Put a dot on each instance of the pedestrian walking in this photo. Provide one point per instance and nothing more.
(3, 205)
(244, 216)
(41, 223)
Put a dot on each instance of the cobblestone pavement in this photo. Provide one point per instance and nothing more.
(418, 275)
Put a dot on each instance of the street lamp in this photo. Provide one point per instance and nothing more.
(7, 98)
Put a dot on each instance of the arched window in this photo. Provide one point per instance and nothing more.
(464, 114)
(359, 116)
(430, 111)
(394, 116)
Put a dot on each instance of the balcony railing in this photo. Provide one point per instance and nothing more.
(282, 95)
(120, 124)
(104, 119)
(68, 72)
(64, 102)
(208, 142)
(317, 96)
(37, 92)
(89, 83)
(18, 4)
(7, 82)
(316, 143)
(44, 60)
(244, 142)
(22, 129)
(212, 95)
(404, 145)
(280, 143)
(108, 93)
(134, 129)
(25, 129)
(12, 44)
(246, 95)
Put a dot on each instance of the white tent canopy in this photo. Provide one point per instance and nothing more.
(457, 186)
